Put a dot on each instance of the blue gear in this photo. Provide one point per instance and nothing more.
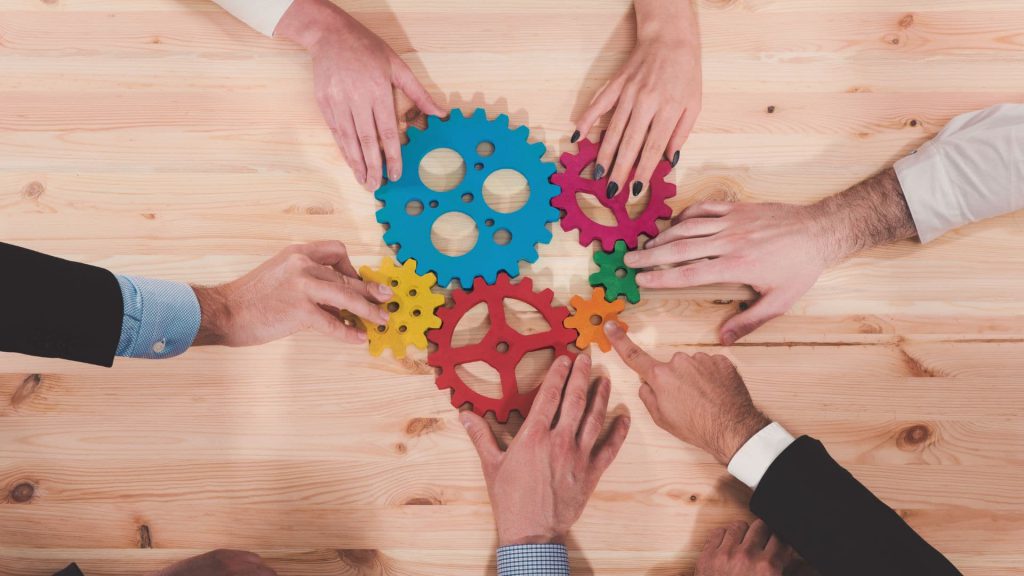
(527, 226)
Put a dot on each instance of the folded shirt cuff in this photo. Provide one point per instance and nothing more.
(533, 560)
(161, 318)
(752, 460)
(934, 206)
(261, 15)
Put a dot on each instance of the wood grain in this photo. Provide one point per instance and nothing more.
(164, 138)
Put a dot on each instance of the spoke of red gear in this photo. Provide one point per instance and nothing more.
(557, 337)
(627, 229)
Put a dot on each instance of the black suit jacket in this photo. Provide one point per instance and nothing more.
(57, 308)
(837, 524)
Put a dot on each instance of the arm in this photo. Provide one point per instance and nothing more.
(656, 97)
(64, 309)
(540, 485)
(972, 170)
(804, 496)
(355, 76)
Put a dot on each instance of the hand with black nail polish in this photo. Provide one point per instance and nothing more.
(365, 91)
(656, 97)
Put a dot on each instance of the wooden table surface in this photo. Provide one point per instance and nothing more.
(165, 138)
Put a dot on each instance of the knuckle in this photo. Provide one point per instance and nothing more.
(367, 140)
(551, 395)
(389, 135)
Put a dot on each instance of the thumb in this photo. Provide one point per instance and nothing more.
(410, 85)
(481, 436)
(768, 306)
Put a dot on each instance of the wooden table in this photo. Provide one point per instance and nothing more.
(164, 138)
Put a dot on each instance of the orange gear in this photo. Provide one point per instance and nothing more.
(590, 317)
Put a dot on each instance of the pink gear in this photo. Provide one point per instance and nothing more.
(628, 229)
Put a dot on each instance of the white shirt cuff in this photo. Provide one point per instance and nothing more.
(752, 460)
(260, 15)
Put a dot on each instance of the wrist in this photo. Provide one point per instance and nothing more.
(665, 21)
(215, 315)
(827, 229)
(520, 538)
(739, 433)
(306, 21)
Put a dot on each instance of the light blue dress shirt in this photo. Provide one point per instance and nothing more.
(533, 560)
(161, 318)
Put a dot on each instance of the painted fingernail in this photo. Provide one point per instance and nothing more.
(598, 172)
(728, 338)
(638, 187)
(575, 137)
(612, 328)
(675, 159)
(612, 189)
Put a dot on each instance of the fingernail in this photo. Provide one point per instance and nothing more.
(598, 172)
(395, 175)
(464, 419)
(362, 337)
(675, 159)
(612, 189)
(629, 260)
(575, 137)
(384, 290)
(728, 338)
(626, 421)
(637, 188)
(583, 359)
(612, 328)
(564, 361)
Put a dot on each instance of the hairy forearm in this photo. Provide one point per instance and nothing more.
(871, 213)
(214, 312)
(674, 19)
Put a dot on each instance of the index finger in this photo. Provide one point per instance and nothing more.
(330, 253)
(549, 395)
(634, 356)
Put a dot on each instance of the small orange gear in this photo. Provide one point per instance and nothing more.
(590, 317)
(412, 308)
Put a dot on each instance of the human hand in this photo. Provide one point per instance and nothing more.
(541, 483)
(699, 399)
(219, 563)
(355, 74)
(656, 96)
(301, 288)
(739, 550)
(780, 250)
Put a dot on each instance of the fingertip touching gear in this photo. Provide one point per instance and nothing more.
(411, 308)
(590, 316)
(503, 238)
(502, 347)
(614, 276)
(626, 228)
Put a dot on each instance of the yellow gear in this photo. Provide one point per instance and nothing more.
(411, 308)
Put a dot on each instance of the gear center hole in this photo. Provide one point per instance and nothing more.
(596, 319)
(506, 190)
(454, 234)
(502, 347)
(620, 273)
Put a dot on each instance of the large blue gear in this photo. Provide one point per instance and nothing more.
(527, 226)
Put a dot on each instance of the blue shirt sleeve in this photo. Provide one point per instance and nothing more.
(161, 318)
(533, 560)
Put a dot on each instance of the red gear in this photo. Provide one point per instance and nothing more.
(626, 228)
(499, 335)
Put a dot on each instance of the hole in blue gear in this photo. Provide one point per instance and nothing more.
(527, 226)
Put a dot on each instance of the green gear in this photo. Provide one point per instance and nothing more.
(609, 265)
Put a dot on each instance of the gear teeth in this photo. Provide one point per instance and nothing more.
(413, 132)
(502, 121)
(522, 131)
(480, 114)
(456, 113)
(539, 149)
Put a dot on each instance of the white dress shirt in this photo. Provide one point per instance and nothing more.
(261, 15)
(972, 170)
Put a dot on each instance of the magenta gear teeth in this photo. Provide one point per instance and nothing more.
(626, 229)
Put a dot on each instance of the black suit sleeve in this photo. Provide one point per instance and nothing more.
(837, 524)
(57, 308)
(71, 570)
